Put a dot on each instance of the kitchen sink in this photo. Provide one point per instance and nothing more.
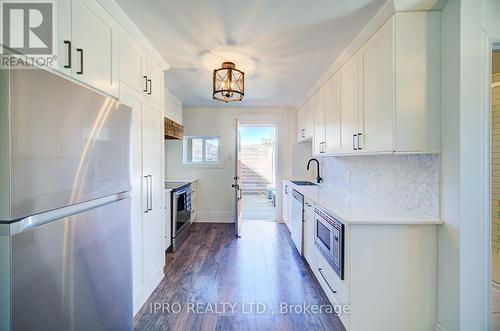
(303, 183)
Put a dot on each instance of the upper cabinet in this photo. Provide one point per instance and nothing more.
(389, 92)
(305, 121)
(95, 38)
(319, 134)
(140, 72)
(95, 49)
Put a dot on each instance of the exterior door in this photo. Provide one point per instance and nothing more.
(237, 183)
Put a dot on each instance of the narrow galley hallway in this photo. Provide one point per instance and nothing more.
(257, 282)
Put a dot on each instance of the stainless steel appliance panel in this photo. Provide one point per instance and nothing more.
(329, 238)
(68, 143)
(74, 273)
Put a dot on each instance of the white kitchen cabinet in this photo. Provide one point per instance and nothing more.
(132, 64)
(319, 138)
(377, 90)
(400, 85)
(285, 201)
(389, 92)
(305, 121)
(64, 44)
(95, 45)
(332, 116)
(147, 194)
(349, 105)
(194, 200)
(155, 80)
(309, 233)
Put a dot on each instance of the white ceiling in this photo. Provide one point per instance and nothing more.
(283, 46)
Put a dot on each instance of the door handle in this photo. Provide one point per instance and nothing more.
(146, 190)
(359, 144)
(145, 83)
(354, 142)
(150, 86)
(68, 44)
(80, 72)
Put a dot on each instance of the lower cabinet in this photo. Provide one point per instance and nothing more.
(285, 202)
(148, 228)
(389, 277)
(309, 233)
(194, 200)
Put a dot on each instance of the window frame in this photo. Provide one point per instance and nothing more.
(185, 151)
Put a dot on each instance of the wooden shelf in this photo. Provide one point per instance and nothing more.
(173, 130)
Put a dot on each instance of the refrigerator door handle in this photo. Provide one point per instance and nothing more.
(34, 221)
(150, 192)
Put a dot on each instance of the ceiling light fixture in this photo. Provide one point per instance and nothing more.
(228, 83)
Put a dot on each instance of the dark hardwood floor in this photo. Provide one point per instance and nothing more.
(213, 271)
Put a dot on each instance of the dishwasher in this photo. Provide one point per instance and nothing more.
(297, 220)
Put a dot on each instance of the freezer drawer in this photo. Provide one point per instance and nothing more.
(74, 273)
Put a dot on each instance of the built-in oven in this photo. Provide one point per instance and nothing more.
(181, 214)
(329, 238)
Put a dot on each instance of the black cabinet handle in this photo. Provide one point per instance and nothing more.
(150, 86)
(68, 43)
(145, 83)
(79, 50)
(359, 145)
(354, 142)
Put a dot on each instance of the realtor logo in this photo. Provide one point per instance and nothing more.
(27, 28)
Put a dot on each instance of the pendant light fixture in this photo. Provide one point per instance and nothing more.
(228, 83)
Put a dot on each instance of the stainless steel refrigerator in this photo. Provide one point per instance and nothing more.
(65, 241)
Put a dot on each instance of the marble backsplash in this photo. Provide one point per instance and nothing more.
(409, 181)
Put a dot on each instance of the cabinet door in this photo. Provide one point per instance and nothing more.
(332, 116)
(319, 123)
(153, 138)
(285, 202)
(64, 44)
(307, 117)
(378, 113)
(95, 46)
(309, 233)
(132, 64)
(135, 100)
(349, 105)
(156, 82)
(300, 127)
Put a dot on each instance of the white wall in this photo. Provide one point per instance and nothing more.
(448, 234)
(215, 195)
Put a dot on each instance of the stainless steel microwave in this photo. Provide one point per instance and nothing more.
(329, 238)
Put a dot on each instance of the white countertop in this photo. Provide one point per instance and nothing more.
(354, 208)
(189, 180)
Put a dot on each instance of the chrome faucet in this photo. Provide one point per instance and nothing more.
(318, 178)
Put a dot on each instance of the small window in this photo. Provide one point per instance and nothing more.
(201, 150)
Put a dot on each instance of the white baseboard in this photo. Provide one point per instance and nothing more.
(438, 327)
(214, 217)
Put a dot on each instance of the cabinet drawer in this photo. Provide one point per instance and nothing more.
(330, 281)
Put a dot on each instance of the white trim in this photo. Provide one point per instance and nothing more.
(214, 217)
(384, 13)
